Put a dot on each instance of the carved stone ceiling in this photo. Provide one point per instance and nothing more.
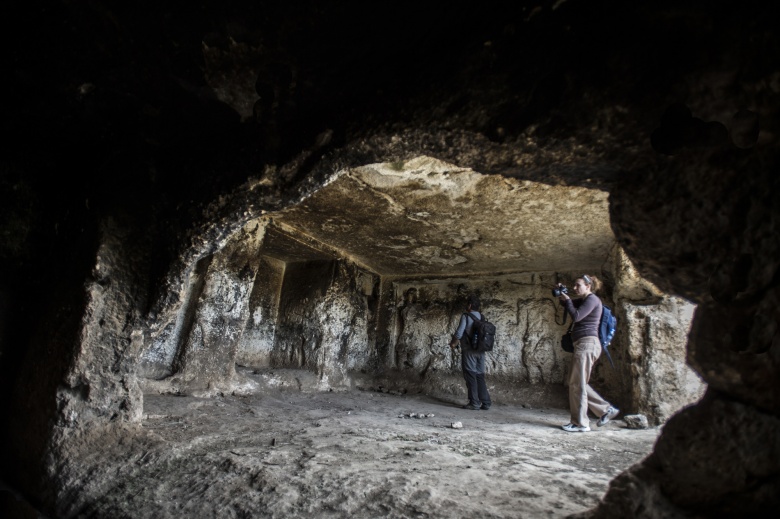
(426, 217)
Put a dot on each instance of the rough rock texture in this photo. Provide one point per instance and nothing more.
(636, 421)
(207, 357)
(661, 381)
(528, 325)
(651, 363)
(200, 345)
(749, 486)
(131, 160)
(326, 312)
(736, 347)
(676, 472)
(442, 219)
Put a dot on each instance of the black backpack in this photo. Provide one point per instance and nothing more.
(483, 334)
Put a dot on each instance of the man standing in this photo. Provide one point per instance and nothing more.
(472, 361)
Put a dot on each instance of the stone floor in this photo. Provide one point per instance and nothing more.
(287, 453)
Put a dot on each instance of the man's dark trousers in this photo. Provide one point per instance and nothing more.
(477, 388)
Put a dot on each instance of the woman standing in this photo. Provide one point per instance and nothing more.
(586, 316)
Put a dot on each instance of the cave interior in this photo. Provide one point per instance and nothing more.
(199, 200)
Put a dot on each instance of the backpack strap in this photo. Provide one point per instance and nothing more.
(474, 319)
(604, 348)
(469, 314)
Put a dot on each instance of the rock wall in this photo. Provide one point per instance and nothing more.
(527, 321)
(527, 363)
(672, 110)
(324, 316)
(157, 359)
(208, 357)
(649, 376)
(661, 381)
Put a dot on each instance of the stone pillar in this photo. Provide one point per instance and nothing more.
(257, 341)
(649, 350)
(101, 383)
(386, 326)
(327, 321)
(206, 361)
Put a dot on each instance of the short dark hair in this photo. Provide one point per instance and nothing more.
(473, 301)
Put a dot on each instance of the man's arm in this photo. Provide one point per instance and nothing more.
(459, 332)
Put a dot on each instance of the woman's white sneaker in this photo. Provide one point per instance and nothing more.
(611, 413)
(570, 427)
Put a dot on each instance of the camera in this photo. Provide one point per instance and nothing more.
(560, 289)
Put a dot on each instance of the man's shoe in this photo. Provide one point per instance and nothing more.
(611, 413)
(471, 406)
(484, 407)
(570, 427)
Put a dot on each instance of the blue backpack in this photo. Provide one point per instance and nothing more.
(607, 328)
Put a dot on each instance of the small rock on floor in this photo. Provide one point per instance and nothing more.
(636, 421)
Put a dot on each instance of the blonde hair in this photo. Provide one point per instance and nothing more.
(592, 281)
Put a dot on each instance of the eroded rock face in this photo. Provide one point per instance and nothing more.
(208, 354)
(201, 340)
(733, 338)
(736, 347)
(87, 393)
(721, 429)
(661, 381)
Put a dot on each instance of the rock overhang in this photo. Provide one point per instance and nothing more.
(427, 217)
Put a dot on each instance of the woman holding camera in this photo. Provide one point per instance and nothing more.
(586, 316)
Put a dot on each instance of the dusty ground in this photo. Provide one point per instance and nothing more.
(287, 453)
